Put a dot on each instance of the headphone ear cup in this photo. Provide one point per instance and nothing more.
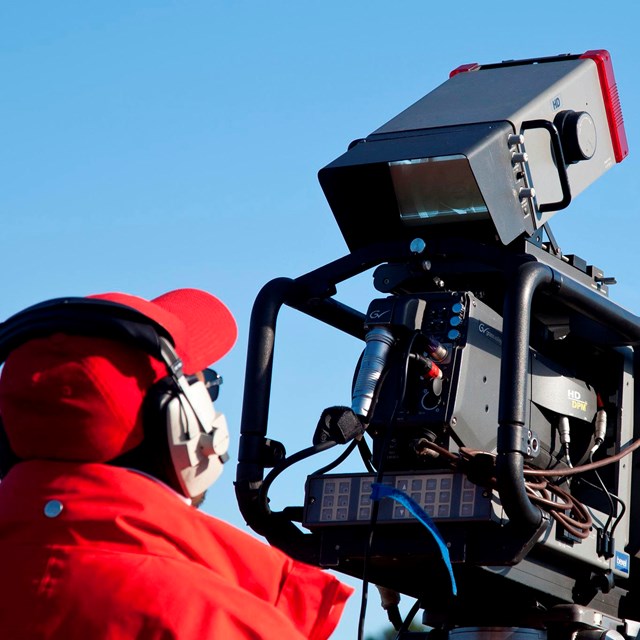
(155, 452)
(177, 449)
(7, 457)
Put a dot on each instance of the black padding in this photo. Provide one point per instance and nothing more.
(81, 316)
(153, 454)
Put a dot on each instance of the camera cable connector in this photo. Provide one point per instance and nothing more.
(600, 429)
(389, 601)
(437, 350)
(564, 431)
(374, 359)
(431, 370)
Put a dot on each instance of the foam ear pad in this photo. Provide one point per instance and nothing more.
(152, 455)
(154, 408)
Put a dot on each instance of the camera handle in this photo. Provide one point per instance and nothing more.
(556, 145)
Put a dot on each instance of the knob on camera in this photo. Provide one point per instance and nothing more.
(578, 135)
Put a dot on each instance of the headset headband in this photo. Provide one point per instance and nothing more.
(84, 317)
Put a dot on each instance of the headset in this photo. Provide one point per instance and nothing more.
(185, 439)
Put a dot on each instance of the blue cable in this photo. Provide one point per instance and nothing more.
(379, 491)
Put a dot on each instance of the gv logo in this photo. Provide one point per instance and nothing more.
(376, 315)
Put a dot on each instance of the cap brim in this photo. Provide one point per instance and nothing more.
(202, 327)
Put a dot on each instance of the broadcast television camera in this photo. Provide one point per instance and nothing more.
(493, 405)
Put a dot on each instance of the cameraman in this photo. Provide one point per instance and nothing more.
(108, 437)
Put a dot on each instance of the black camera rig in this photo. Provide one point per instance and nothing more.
(496, 386)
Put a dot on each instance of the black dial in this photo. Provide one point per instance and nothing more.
(578, 135)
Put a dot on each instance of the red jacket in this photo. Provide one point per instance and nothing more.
(127, 558)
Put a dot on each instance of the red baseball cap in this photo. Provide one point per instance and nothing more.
(70, 397)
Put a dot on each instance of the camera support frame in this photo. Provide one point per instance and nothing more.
(312, 294)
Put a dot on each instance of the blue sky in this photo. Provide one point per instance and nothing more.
(151, 145)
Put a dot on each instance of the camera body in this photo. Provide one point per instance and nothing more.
(567, 379)
(495, 399)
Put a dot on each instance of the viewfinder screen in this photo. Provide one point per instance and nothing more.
(437, 190)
